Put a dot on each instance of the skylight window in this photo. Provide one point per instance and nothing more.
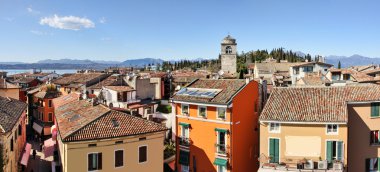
(199, 92)
(74, 118)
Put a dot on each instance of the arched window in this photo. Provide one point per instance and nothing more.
(228, 50)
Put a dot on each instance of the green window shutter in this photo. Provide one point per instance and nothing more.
(276, 150)
(184, 124)
(271, 149)
(340, 151)
(378, 166)
(375, 109)
(221, 130)
(220, 162)
(329, 151)
(184, 158)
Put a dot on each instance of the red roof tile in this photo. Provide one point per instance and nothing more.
(316, 104)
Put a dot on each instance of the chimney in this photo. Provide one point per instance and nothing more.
(94, 101)
(246, 80)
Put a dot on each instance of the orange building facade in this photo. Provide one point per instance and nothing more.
(218, 133)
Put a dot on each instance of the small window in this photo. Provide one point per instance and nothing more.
(50, 104)
(185, 168)
(375, 109)
(91, 145)
(308, 69)
(274, 127)
(94, 161)
(346, 77)
(50, 117)
(332, 129)
(11, 144)
(228, 50)
(221, 113)
(19, 130)
(372, 164)
(119, 142)
(296, 70)
(202, 111)
(119, 158)
(374, 137)
(143, 157)
(185, 109)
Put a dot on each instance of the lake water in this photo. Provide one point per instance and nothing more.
(58, 71)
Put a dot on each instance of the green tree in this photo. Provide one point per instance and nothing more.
(339, 65)
(241, 76)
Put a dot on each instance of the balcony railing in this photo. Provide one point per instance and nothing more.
(183, 141)
(221, 149)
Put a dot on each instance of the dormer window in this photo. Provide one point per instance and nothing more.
(228, 50)
(332, 129)
(274, 127)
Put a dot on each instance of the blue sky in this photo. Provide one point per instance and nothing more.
(167, 29)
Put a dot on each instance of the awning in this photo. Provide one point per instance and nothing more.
(220, 162)
(49, 147)
(184, 157)
(184, 124)
(221, 130)
(26, 154)
(38, 128)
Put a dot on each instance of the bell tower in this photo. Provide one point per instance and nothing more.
(228, 55)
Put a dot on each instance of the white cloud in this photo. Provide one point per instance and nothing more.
(103, 20)
(105, 39)
(9, 19)
(67, 22)
(31, 10)
(37, 32)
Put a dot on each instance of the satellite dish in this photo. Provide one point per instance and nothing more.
(178, 87)
(220, 73)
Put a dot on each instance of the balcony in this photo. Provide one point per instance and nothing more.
(183, 141)
(296, 165)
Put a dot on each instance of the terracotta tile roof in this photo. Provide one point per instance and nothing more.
(46, 94)
(109, 81)
(271, 67)
(80, 120)
(372, 71)
(62, 100)
(10, 112)
(120, 88)
(24, 80)
(229, 87)
(315, 80)
(316, 104)
(311, 63)
(74, 115)
(78, 78)
(115, 124)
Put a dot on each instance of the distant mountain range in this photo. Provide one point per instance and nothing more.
(354, 60)
(101, 64)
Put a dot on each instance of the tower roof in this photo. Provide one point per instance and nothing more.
(229, 40)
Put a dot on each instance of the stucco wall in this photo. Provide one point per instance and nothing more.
(245, 133)
(13, 93)
(77, 154)
(360, 124)
(203, 136)
(12, 158)
(305, 130)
